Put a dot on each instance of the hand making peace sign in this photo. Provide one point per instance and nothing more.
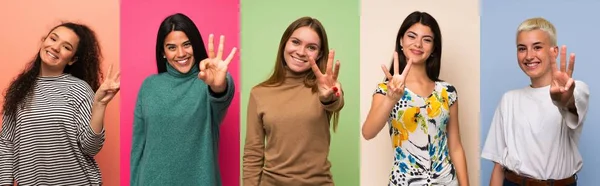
(327, 83)
(561, 88)
(213, 70)
(396, 84)
(109, 88)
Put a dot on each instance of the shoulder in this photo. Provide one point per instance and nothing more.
(77, 85)
(580, 85)
(79, 90)
(447, 86)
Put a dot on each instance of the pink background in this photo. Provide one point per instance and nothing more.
(26, 22)
(140, 20)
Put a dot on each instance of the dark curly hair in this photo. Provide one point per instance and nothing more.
(87, 68)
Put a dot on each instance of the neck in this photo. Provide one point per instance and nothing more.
(418, 73)
(46, 71)
(541, 81)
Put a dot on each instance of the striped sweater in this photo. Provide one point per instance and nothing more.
(50, 141)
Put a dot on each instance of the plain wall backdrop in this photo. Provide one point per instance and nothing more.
(139, 25)
(459, 24)
(577, 27)
(263, 23)
(26, 22)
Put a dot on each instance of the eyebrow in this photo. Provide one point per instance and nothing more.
(418, 34)
(185, 42)
(536, 43)
(308, 43)
(56, 35)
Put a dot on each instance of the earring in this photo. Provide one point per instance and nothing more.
(165, 57)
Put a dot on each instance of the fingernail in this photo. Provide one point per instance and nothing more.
(335, 89)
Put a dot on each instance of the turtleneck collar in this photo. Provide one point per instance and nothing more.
(294, 77)
(172, 71)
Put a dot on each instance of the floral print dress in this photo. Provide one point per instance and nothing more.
(419, 138)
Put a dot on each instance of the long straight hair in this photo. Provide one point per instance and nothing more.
(278, 76)
(433, 63)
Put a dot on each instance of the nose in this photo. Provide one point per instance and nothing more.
(301, 51)
(180, 52)
(55, 47)
(530, 55)
(419, 43)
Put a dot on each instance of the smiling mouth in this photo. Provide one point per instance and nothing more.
(299, 60)
(416, 52)
(532, 64)
(51, 55)
(183, 61)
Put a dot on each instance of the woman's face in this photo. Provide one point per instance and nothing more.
(417, 43)
(58, 48)
(179, 52)
(303, 43)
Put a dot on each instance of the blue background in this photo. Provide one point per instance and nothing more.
(578, 27)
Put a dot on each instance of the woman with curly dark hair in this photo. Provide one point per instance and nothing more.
(52, 124)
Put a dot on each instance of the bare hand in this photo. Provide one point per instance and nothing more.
(562, 86)
(109, 88)
(213, 70)
(327, 83)
(396, 82)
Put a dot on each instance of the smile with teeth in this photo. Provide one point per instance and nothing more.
(51, 55)
(183, 61)
(298, 59)
(532, 64)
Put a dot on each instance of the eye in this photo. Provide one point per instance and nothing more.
(537, 47)
(312, 48)
(428, 40)
(53, 39)
(520, 49)
(170, 48)
(187, 45)
(68, 48)
(296, 42)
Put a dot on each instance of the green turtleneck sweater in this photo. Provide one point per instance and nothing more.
(176, 130)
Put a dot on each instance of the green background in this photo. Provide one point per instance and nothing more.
(262, 24)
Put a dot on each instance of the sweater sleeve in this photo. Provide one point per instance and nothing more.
(90, 142)
(255, 144)
(220, 103)
(6, 150)
(337, 105)
(138, 139)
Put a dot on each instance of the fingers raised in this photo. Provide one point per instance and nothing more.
(315, 67)
(220, 50)
(571, 65)
(211, 46)
(396, 64)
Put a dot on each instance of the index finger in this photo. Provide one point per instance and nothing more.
(220, 50)
(329, 61)
(407, 67)
(211, 47)
(315, 67)
(396, 65)
(109, 73)
(563, 58)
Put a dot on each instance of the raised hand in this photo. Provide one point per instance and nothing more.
(213, 70)
(562, 86)
(109, 88)
(327, 83)
(396, 84)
